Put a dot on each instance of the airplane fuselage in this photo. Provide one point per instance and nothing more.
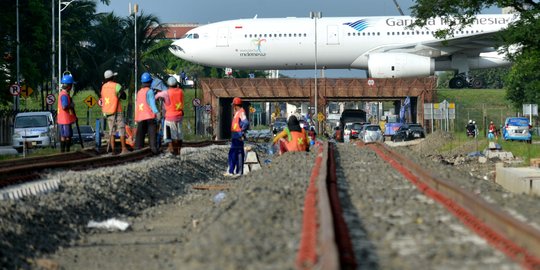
(338, 43)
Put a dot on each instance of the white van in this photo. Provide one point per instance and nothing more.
(35, 128)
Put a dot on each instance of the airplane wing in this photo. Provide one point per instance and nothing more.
(471, 45)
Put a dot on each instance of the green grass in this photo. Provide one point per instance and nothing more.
(484, 105)
(519, 149)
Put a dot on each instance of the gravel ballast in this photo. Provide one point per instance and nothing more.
(254, 224)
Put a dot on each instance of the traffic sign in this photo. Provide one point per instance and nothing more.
(371, 82)
(90, 101)
(252, 110)
(320, 116)
(15, 90)
(26, 91)
(196, 102)
(50, 99)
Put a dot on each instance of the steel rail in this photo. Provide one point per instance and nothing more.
(518, 240)
(325, 241)
(24, 170)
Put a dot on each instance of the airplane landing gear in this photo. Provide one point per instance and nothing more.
(461, 81)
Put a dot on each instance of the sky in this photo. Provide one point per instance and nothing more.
(208, 11)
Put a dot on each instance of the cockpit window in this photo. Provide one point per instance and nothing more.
(191, 36)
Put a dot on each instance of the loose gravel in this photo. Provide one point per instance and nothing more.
(255, 224)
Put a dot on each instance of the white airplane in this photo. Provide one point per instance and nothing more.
(383, 46)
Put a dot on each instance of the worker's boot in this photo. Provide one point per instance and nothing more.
(62, 146)
(178, 147)
(170, 147)
(68, 145)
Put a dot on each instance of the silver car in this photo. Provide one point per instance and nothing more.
(371, 133)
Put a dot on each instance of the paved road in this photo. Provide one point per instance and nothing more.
(7, 150)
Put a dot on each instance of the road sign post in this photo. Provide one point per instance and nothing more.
(15, 90)
(90, 101)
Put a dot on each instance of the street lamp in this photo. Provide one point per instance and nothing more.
(60, 9)
(315, 15)
(134, 12)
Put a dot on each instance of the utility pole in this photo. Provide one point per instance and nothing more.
(315, 16)
(53, 49)
(16, 98)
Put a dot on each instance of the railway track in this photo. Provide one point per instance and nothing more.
(329, 246)
(23, 170)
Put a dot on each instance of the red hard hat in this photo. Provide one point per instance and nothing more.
(237, 101)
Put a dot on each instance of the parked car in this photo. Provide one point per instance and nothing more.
(517, 128)
(87, 133)
(350, 116)
(36, 129)
(279, 124)
(407, 132)
(371, 133)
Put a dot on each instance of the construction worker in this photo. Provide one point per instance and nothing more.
(174, 114)
(239, 125)
(111, 94)
(146, 114)
(66, 115)
(292, 138)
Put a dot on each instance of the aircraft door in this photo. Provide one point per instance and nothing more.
(332, 35)
(223, 37)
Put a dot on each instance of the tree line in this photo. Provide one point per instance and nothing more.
(91, 43)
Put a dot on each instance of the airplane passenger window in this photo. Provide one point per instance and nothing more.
(378, 33)
(305, 35)
(295, 35)
(348, 34)
(195, 36)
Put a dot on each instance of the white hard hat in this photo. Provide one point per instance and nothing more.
(171, 81)
(474, 122)
(109, 74)
(470, 121)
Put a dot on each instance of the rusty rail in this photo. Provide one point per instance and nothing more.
(325, 242)
(24, 170)
(518, 240)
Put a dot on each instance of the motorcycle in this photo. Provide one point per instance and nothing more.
(471, 133)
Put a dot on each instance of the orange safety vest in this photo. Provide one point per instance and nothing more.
(65, 117)
(298, 141)
(111, 103)
(176, 106)
(143, 110)
(235, 125)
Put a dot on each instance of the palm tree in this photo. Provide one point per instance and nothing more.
(149, 31)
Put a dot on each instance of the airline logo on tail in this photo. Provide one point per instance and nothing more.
(359, 25)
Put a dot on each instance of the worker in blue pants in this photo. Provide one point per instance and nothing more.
(239, 125)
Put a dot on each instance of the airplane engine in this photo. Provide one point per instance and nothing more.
(399, 65)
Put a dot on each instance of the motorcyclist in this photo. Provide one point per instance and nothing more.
(491, 130)
(470, 128)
